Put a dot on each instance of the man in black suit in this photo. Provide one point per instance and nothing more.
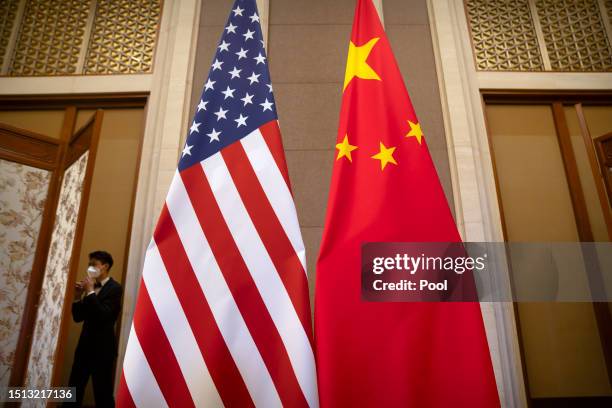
(97, 303)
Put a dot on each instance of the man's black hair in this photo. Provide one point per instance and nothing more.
(103, 257)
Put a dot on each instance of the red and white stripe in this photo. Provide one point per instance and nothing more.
(223, 315)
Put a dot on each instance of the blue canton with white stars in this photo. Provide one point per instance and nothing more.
(237, 96)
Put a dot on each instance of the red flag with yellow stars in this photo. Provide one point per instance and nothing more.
(385, 188)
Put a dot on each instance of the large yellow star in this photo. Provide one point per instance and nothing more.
(345, 149)
(356, 65)
(415, 131)
(385, 156)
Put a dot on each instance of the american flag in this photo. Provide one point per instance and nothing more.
(223, 315)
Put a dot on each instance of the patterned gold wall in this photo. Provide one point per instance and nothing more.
(123, 37)
(504, 36)
(574, 34)
(8, 14)
(50, 37)
(63, 37)
(541, 35)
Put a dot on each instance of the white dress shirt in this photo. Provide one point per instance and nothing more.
(97, 290)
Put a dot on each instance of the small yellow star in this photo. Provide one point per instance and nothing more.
(356, 65)
(385, 156)
(345, 149)
(415, 131)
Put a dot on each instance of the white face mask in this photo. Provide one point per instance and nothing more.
(93, 272)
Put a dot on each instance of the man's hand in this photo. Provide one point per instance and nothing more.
(78, 290)
(88, 284)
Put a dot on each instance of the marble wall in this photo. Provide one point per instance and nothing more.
(307, 48)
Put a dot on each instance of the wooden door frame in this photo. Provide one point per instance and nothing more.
(601, 161)
(74, 151)
(602, 312)
(556, 100)
(70, 103)
(595, 156)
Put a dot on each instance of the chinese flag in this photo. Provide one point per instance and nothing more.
(385, 188)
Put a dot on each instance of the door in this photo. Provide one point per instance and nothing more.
(69, 162)
(604, 155)
(548, 193)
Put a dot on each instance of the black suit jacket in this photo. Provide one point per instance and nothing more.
(99, 314)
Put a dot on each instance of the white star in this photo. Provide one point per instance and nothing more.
(269, 87)
(187, 150)
(231, 28)
(241, 121)
(254, 78)
(237, 11)
(195, 127)
(220, 113)
(229, 93)
(209, 85)
(248, 35)
(217, 64)
(235, 73)
(223, 46)
(260, 59)
(214, 135)
(247, 99)
(266, 105)
(241, 54)
(202, 105)
(254, 18)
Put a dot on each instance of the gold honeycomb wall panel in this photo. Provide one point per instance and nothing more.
(575, 35)
(8, 14)
(608, 6)
(123, 37)
(50, 37)
(503, 35)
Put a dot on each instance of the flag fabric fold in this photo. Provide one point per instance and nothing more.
(222, 315)
(385, 187)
